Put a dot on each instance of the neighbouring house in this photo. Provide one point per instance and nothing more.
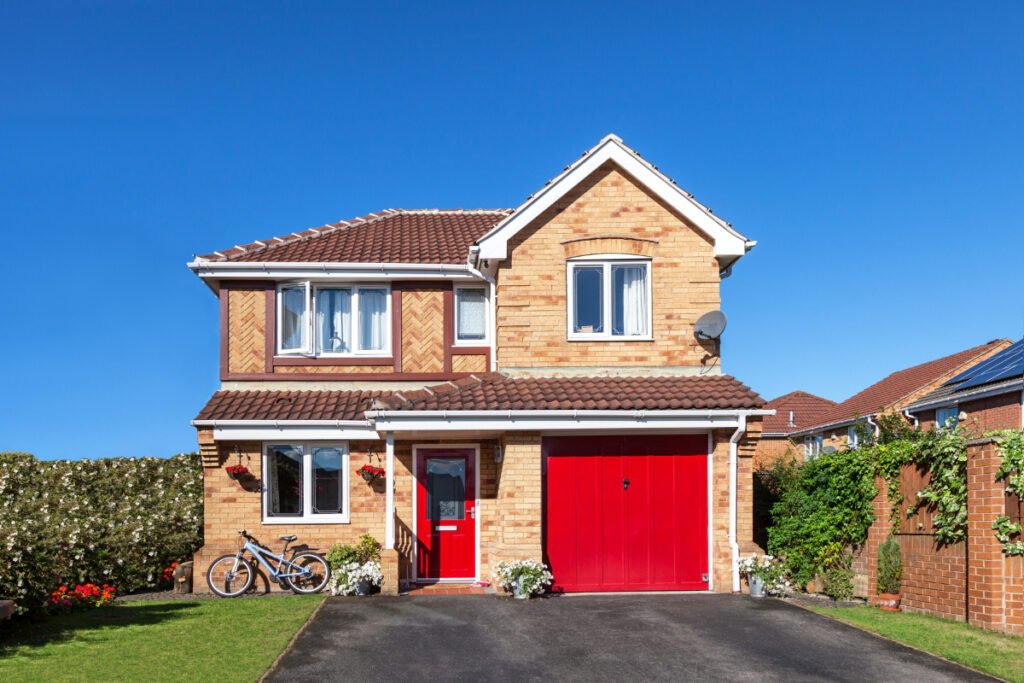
(529, 380)
(793, 411)
(853, 419)
(973, 580)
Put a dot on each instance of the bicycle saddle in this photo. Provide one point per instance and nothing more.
(288, 539)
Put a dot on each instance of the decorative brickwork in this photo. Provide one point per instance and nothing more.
(423, 331)
(248, 320)
(469, 363)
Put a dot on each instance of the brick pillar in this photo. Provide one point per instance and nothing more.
(389, 566)
(519, 498)
(877, 534)
(985, 561)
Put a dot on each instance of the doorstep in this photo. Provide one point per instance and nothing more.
(470, 588)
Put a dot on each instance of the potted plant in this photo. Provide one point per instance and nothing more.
(524, 578)
(890, 575)
(356, 569)
(764, 575)
(236, 471)
(370, 472)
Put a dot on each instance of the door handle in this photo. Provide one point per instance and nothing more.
(472, 513)
(625, 484)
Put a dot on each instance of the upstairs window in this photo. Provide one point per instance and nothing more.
(333, 320)
(609, 299)
(470, 315)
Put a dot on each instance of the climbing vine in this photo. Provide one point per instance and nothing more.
(944, 453)
(1011, 470)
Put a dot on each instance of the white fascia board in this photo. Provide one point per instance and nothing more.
(833, 425)
(561, 420)
(729, 244)
(308, 430)
(237, 270)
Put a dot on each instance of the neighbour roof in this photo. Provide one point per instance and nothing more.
(903, 384)
(497, 391)
(807, 410)
(1002, 371)
(390, 236)
(288, 405)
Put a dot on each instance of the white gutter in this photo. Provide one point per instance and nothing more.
(910, 416)
(341, 424)
(199, 264)
(515, 414)
(492, 303)
(875, 429)
(734, 545)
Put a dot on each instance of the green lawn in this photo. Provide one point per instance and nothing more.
(206, 640)
(994, 653)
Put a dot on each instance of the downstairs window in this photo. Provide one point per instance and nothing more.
(305, 483)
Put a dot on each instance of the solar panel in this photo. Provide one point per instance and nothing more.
(1007, 363)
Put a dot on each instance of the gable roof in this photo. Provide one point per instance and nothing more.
(390, 236)
(901, 386)
(497, 391)
(807, 410)
(729, 243)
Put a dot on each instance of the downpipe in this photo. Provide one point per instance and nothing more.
(734, 546)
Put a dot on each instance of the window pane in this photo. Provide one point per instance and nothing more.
(327, 480)
(293, 310)
(373, 308)
(334, 320)
(446, 488)
(471, 313)
(629, 300)
(284, 481)
(587, 297)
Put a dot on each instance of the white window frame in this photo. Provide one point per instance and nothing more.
(486, 339)
(607, 261)
(853, 436)
(812, 446)
(952, 411)
(308, 516)
(310, 349)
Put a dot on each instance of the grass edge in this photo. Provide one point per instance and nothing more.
(901, 643)
(291, 643)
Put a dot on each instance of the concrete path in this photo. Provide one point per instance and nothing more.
(595, 638)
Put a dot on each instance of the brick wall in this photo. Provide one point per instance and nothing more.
(1002, 411)
(972, 581)
(770, 449)
(611, 207)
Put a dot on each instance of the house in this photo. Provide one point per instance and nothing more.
(985, 397)
(529, 380)
(793, 411)
(853, 419)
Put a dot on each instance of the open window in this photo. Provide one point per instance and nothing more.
(333, 320)
(609, 298)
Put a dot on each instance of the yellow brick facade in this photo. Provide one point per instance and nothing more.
(609, 210)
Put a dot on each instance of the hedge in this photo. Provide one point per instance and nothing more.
(119, 521)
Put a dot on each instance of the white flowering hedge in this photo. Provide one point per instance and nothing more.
(118, 521)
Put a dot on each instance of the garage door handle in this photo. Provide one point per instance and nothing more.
(625, 484)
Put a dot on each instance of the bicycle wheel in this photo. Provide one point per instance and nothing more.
(228, 580)
(319, 573)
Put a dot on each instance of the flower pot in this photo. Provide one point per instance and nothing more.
(889, 602)
(518, 591)
(233, 476)
(756, 586)
(368, 477)
(363, 588)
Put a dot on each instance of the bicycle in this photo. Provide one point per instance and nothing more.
(305, 572)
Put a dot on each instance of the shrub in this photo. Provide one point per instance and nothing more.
(351, 564)
(87, 595)
(839, 582)
(824, 509)
(116, 521)
(366, 550)
(890, 566)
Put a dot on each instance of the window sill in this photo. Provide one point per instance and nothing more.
(323, 519)
(334, 360)
(595, 338)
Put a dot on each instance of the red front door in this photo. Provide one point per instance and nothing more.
(446, 513)
(627, 513)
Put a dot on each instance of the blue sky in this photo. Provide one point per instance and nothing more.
(873, 150)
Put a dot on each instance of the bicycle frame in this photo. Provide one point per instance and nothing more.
(261, 554)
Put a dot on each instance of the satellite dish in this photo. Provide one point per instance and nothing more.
(711, 325)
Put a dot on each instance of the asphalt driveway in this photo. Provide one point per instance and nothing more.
(595, 638)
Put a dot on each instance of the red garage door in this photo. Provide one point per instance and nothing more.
(627, 513)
